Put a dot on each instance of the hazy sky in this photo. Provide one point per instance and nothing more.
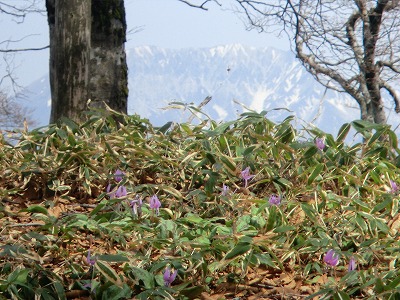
(164, 23)
(173, 24)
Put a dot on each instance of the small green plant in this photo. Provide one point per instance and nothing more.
(115, 211)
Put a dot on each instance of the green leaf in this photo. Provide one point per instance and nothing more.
(343, 131)
(249, 150)
(189, 157)
(36, 209)
(170, 190)
(265, 259)
(60, 290)
(393, 139)
(37, 236)
(145, 276)
(239, 249)
(99, 207)
(368, 243)
(70, 123)
(309, 211)
(108, 272)
(384, 204)
(379, 286)
(61, 133)
(284, 228)
(220, 129)
(18, 276)
(315, 172)
(310, 152)
(211, 157)
(229, 163)
(271, 218)
(380, 223)
(193, 219)
(393, 284)
(201, 241)
(341, 296)
(361, 222)
(362, 125)
(112, 258)
(165, 127)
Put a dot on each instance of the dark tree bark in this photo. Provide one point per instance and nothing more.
(108, 67)
(87, 56)
(69, 24)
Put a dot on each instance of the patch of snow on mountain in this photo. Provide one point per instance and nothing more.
(259, 78)
(293, 98)
(259, 97)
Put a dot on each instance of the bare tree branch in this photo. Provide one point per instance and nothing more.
(19, 11)
(9, 50)
(23, 49)
(12, 113)
(392, 93)
(201, 6)
(350, 46)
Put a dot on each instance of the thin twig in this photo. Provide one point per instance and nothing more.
(23, 50)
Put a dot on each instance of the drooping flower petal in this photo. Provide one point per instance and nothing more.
(169, 277)
(320, 143)
(246, 176)
(225, 190)
(155, 203)
(110, 191)
(136, 205)
(274, 200)
(118, 175)
(352, 264)
(121, 192)
(394, 187)
(331, 258)
(91, 261)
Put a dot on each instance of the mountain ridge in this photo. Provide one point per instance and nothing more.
(259, 78)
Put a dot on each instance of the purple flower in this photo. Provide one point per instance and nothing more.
(110, 191)
(136, 205)
(169, 277)
(274, 200)
(352, 264)
(155, 204)
(120, 192)
(91, 261)
(394, 187)
(320, 143)
(331, 258)
(119, 175)
(225, 190)
(246, 176)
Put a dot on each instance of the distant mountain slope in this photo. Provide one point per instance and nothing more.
(258, 78)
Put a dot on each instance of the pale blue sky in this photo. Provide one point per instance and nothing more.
(164, 23)
(173, 24)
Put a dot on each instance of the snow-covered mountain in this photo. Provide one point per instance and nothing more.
(258, 78)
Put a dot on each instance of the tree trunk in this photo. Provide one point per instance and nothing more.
(371, 29)
(69, 24)
(87, 56)
(108, 67)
